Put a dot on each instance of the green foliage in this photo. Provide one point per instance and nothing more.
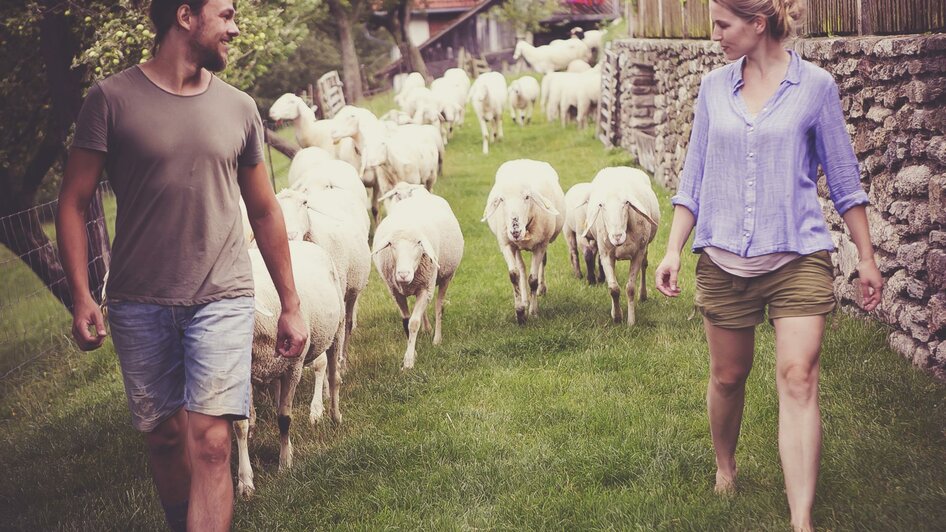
(269, 32)
(526, 15)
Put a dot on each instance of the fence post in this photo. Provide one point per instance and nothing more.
(100, 250)
(863, 17)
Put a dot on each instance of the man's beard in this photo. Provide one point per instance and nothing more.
(208, 56)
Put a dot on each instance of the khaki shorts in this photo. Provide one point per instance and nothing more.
(803, 287)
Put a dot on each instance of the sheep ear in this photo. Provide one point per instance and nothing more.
(543, 202)
(490, 209)
(387, 195)
(381, 246)
(429, 251)
(591, 223)
(638, 208)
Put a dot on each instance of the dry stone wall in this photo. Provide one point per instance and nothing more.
(893, 92)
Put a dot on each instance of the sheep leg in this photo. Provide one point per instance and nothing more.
(375, 194)
(317, 406)
(631, 284)
(420, 307)
(572, 242)
(401, 301)
(499, 126)
(485, 131)
(534, 278)
(545, 259)
(438, 309)
(349, 325)
(252, 419)
(607, 261)
(245, 487)
(334, 379)
(582, 113)
(643, 294)
(517, 276)
(591, 263)
(284, 418)
(427, 326)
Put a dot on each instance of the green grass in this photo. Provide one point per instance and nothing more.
(568, 422)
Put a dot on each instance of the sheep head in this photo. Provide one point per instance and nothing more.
(402, 191)
(518, 209)
(295, 211)
(615, 210)
(408, 250)
(286, 107)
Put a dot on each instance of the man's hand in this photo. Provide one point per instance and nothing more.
(667, 273)
(88, 325)
(292, 334)
(872, 284)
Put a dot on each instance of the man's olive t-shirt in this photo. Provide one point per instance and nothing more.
(172, 162)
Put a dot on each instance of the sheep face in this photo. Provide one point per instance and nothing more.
(402, 191)
(286, 107)
(407, 252)
(295, 213)
(615, 212)
(518, 210)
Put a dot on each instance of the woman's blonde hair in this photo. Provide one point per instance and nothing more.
(782, 17)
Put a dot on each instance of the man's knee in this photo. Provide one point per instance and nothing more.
(211, 441)
(167, 438)
(798, 382)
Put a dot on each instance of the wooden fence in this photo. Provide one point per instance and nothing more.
(689, 19)
(331, 95)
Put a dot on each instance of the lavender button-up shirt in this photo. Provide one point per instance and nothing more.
(751, 182)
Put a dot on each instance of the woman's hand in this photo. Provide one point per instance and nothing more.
(872, 283)
(666, 275)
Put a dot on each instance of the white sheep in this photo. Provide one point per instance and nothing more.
(526, 212)
(332, 174)
(542, 59)
(522, 95)
(312, 132)
(419, 245)
(306, 159)
(413, 154)
(413, 80)
(552, 84)
(329, 221)
(578, 66)
(623, 216)
(582, 91)
(321, 305)
(579, 247)
(488, 95)
(453, 86)
(368, 134)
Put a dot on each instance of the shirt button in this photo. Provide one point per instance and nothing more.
(751, 128)
(748, 209)
(750, 155)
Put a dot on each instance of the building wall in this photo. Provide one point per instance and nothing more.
(893, 93)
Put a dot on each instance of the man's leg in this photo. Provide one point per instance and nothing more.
(798, 349)
(170, 467)
(731, 353)
(211, 489)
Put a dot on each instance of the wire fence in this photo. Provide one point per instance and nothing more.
(35, 317)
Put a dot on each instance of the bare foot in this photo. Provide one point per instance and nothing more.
(725, 483)
(807, 527)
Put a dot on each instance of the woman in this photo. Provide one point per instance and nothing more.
(762, 126)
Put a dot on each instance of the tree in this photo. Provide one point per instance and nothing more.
(53, 50)
(344, 15)
(526, 16)
(397, 20)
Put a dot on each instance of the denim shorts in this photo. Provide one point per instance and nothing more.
(197, 357)
(802, 287)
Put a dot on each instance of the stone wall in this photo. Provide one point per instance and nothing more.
(893, 92)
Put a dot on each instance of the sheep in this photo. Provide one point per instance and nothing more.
(552, 84)
(321, 306)
(576, 207)
(306, 159)
(428, 107)
(397, 117)
(488, 95)
(453, 87)
(413, 154)
(401, 192)
(578, 66)
(522, 95)
(542, 59)
(417, 246)
(312, 132)
(332, 174)
(623, 216)
(526, 212)
(413, 80)
(368, 134)
(580, 92)
(329, 221)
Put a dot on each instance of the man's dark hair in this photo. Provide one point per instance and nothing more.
(163, 14)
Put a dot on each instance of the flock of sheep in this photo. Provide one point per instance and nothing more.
(355, 161)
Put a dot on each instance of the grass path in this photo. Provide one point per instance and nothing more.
(568, 422)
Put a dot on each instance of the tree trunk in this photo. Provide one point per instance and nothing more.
(351, 75)
(23, 234)
(414, 57)
(282, 146)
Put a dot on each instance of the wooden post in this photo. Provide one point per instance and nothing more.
(864, 26)
(100, 249)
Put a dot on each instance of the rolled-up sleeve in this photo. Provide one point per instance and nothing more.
(836, 155)
(691, 179)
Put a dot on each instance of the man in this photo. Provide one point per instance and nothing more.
(180, 147)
